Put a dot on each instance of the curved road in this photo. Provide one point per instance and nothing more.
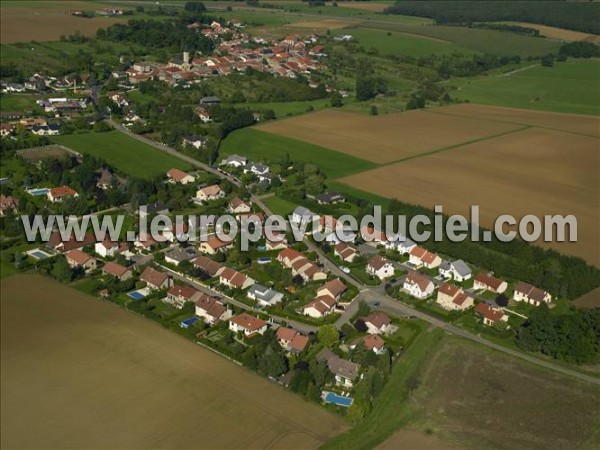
(370, 294)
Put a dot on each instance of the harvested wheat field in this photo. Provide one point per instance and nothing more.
(81, 373)
(498, 402)
(558, 33)
(533, 171)
(574, 123)
(386, 138)
(35, 21)
(326, 24)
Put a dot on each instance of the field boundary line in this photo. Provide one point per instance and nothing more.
(451, 147)
(430, 111)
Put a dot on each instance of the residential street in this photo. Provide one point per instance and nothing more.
(369, 294)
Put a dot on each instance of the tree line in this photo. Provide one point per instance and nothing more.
(578, 16)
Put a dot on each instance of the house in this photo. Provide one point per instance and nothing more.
(345, 252)
(178, 296)
(418, 285)
(452, 298)
(380, 267)
(208, 266)
(373, 237)
(288, 256)
(57, 195)
(373, 343)
(8, 203)
(319, 307)
(489, 283)
(210, 100)
(378, 323)
(156, 208)
(59, 244)
(211, 309)
(238, 206)
(214, 244)
(330, 198)
(263, 295)
(307, 270)
(256, 168)
(208, 193)
(7, 129)
(403, 246)
(291, 340)
(179, 176)
(203, 114)
(179, 255)
(118, 271)
(154, 279)
(234, 161)
(46, 130)
(144, 242)
(334, 288)
(280, 242)
(530, 294)
(327, 224)
(193, 140)
(234, 279)
(458, 270)
(107, 179)
(302, 214)
(421, 257)
(491, 315)
(77, 258)
(247, 324)
(345, 372)
(109, 249)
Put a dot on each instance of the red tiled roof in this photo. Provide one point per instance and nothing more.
(78, 256)
(153, 277)
(488, 312)
(186, 292)
(488, 280)
(377, 262)
(63, 191)
(176, 174)
(114, 269)
(372, 341)
(335, 286)
(377, 319)
(248, 322)
(418, 279)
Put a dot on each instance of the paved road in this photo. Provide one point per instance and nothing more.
(367, 293)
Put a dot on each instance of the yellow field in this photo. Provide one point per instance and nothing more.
(47, 23)
(534, 171)
(558, 33)
(385, 138)
(81, 373)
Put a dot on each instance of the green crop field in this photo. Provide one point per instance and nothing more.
(258, 145)
(126, 154)
(19, 102)
(484, 41)
(390, 43)
(570, 86)
(280, 206)
(284, 109)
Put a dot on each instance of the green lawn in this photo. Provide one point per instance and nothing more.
(19, 102)
(391, 410)
(390, 43)
(570, 86)
(126, 154)
(258, 145)
(480, 40)
(285, 109)
(280, 206)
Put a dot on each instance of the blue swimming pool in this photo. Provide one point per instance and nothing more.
(263, 260)
(136, 295)
(38, 254)
(188, 322)
(41, 191)
(339, 400)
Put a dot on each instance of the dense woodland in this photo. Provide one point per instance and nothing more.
(578, 16)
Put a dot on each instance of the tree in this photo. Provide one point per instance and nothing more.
(270, 115)
(195, 7)
(328, 335)
(61, 270)
(501, 300)
(548, 60)
(374, 110)
(337, 100)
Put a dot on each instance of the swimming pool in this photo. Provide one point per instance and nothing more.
(38, 254)
(137, 295)
(339, 400)
(263, 260)
(40, 191)
(188, 322)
